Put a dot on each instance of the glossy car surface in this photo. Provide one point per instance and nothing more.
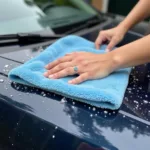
(31, 118)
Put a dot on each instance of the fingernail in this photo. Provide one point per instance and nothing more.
(51, 76)
(70, 82)
(107, 50)
(46, 66)
(45, 74)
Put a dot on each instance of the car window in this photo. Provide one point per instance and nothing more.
(10, 10)
(35, 15)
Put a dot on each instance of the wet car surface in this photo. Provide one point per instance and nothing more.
(32, 118)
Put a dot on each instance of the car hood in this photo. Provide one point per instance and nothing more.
(123, 129)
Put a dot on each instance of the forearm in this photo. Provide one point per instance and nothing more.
(132, 54)
(139, 13)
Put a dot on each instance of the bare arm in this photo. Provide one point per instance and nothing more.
(115, 35)
(132, 54)
(138, 13)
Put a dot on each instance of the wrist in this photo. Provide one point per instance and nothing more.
(124, 28)
(116, 59)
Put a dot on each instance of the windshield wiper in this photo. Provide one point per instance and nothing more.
(32, 38)
(26, 38)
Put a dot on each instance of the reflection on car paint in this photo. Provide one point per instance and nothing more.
(76, 123)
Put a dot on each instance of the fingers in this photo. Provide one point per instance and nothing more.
(100, 39)
(98, 42)
(70, 71)
(63, 73)
(83, 77)
(59, 61)
(58, 68)
(112, 44)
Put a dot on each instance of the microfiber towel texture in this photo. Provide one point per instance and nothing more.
(105, 93)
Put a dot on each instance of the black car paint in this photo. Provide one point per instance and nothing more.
(35, 119)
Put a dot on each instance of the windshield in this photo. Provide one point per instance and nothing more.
(36, 15)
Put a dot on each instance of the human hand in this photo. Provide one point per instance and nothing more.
(86, 65)
(114, 36)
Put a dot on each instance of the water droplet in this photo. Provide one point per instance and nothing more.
(44, 95)
(149, 112)
(146, 95)
(42, 92)
(73, 107)
(53, 136)
(91, 115)
(95, 114)
(137, 106)
(124, 116)
(56, 127)
(9, 137)
(73, 103)
(105, 112)
(1, 80)
(126, 98)
(63, 100)
(41, 129)
(6, 66)
(40, 49)
(140, 88)
(89, 108)
(145, 102)
(12, 144)
(18, 88)
(11, 95)
(94, 109)
(135, 101)
(26, 87)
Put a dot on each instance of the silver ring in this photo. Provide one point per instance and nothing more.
(75, 69)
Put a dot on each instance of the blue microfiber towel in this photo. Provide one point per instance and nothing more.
(105, 93)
